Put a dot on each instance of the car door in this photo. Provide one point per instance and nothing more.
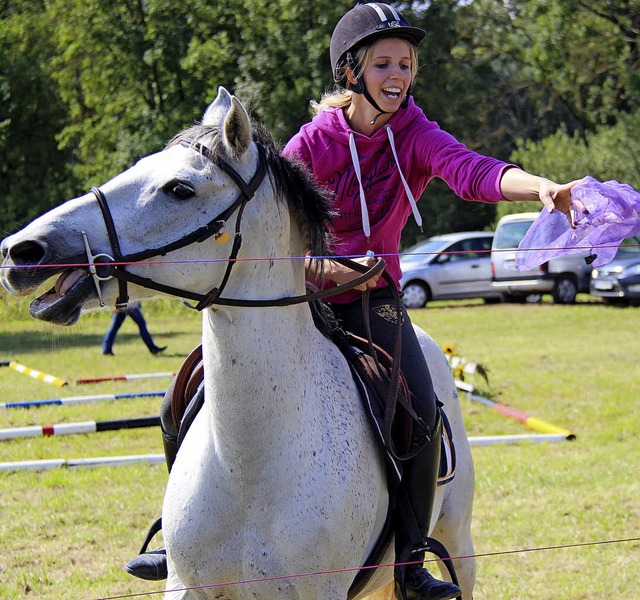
(480, 257)
(465, 268)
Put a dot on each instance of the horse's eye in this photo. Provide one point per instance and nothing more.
(179, 189)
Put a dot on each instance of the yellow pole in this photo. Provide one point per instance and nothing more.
(16, 366)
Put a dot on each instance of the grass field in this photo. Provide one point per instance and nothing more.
(65, 533)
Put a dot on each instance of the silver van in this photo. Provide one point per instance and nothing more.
(562, 277)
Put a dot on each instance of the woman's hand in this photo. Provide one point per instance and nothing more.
(517, 184)
(557, 196)
(340, 274)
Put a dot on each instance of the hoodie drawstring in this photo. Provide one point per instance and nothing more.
(412, 200)
(363, 201)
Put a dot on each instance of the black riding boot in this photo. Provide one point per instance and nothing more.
(152, 565)
(414, 582)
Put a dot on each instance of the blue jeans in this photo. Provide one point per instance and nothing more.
(116, 322)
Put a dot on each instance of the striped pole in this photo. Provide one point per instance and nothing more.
(528, 420)
(156, 459)
(105, 461)
(123, 377)
(39, 375)
(77, 399)
(492, 440)
(74, 428)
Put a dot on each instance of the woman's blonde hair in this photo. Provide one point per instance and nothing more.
(339, 97)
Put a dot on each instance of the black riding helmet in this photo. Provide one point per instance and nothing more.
(363, 24)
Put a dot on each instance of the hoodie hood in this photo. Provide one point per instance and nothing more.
(333, 123)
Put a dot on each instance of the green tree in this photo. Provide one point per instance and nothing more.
(285, 59)
(87, 87)
(118, 68)
(34, 173)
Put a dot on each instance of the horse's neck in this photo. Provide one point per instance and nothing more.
(262, 367)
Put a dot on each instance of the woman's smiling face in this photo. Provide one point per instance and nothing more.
(388, 72)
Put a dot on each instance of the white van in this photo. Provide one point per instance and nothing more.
(561, 277)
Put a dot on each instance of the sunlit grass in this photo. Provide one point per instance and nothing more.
(66, 533)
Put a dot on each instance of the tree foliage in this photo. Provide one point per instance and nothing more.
(87, 87)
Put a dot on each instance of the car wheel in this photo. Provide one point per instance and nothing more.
(416, 294)
(565, 290)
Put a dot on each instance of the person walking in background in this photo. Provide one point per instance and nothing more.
(119, 315)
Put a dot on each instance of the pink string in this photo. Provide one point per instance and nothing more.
(272, 258)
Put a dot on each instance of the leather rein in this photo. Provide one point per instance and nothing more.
(118, 261)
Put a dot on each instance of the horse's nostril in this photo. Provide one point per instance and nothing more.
(27, 253)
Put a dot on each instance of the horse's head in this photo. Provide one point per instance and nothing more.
(170, 223)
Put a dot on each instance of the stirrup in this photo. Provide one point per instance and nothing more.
(155, 527)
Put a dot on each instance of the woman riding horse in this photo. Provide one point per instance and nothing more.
(376, 152)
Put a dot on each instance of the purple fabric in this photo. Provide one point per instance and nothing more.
(613, 215)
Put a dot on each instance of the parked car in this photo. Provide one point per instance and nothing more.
(619, 280)
(447, 267)
(562, 277)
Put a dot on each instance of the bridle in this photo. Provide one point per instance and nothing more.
(117, 261)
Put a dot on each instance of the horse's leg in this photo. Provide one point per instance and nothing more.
(453, 526)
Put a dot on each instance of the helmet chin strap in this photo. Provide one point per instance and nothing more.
(373, 103)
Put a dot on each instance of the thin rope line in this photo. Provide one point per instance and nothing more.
(347, 569)
(280, 258)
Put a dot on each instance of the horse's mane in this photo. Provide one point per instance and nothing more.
(290, 179)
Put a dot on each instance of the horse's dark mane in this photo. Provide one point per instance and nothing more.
(291, 180)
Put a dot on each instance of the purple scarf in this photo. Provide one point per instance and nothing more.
(612, 213)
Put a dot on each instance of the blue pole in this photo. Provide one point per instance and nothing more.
(77, 399)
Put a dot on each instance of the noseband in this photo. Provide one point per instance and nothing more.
(118, 261)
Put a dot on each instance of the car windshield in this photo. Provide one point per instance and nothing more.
(511, 234)
(629, 247)
(420, 252)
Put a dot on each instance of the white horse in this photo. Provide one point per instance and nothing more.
(279, 474)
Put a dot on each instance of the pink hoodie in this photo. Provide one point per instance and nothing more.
(387, 171)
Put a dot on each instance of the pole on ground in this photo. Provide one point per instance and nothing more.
(13, 433)
(530, 421)
(39, 375)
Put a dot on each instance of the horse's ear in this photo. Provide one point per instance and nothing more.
(237, 129)
(217, 110)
